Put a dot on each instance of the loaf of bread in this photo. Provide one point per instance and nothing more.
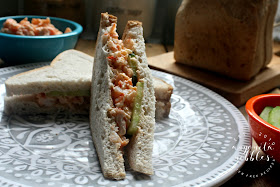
(233, 38)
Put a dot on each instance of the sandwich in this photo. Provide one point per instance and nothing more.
(64, 86)
(122, 110)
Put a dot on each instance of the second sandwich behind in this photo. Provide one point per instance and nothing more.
(64, 86)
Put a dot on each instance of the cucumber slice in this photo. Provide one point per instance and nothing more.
(131, 55)
(133, 64)
(265, 113)
(274, 117)
(136, 111)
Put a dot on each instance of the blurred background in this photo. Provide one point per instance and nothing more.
(158, 16)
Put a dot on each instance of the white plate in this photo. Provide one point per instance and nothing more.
(203, 143)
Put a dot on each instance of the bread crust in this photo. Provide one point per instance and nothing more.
(130, 24)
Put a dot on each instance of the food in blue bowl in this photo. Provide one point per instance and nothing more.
(40, 44)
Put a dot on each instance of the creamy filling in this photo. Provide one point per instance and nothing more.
(72, 102)
(123, 91)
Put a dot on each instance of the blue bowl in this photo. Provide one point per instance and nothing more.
(17, 49)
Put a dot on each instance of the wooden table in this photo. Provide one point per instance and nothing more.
(270, 178)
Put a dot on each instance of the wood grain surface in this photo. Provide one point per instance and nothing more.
(237, 92)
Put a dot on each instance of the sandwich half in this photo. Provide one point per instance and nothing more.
(62, 86)
(122, 111)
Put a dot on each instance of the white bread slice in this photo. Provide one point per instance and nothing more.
(140, 148)
(102, 126)
(71, 70)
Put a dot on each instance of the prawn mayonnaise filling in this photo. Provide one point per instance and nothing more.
(123, 63)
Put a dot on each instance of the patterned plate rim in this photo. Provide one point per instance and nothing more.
(244, 137)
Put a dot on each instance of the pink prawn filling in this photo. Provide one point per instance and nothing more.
(37, 27)
(123, 92)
